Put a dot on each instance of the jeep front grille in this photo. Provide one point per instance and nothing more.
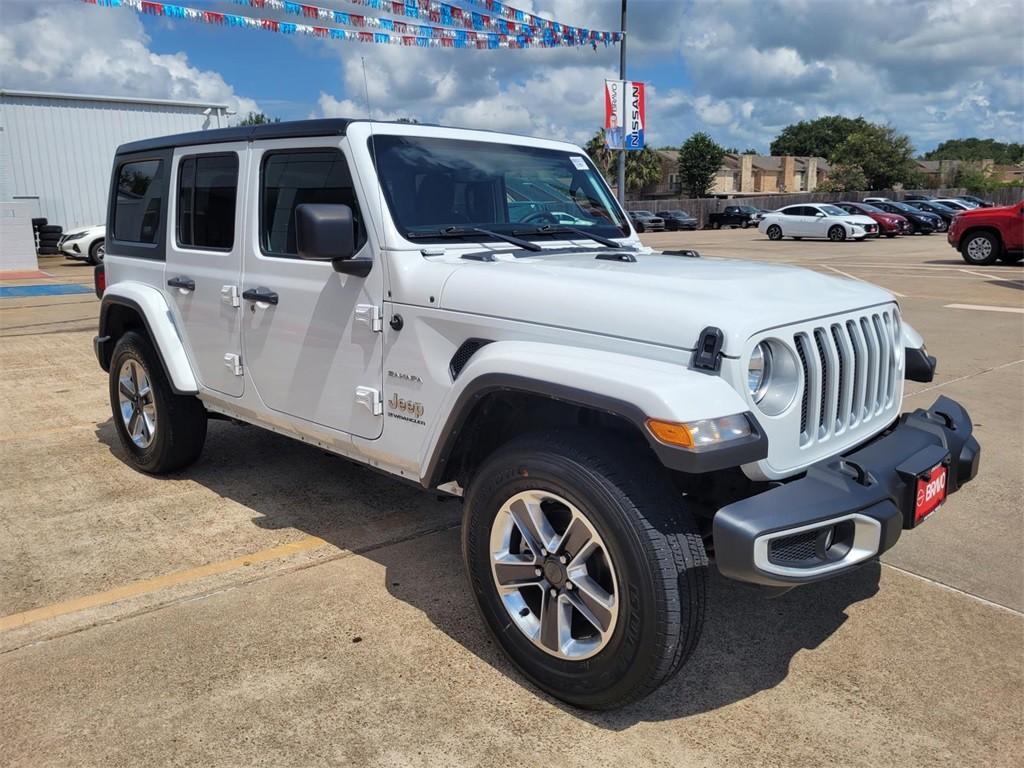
(849, 370)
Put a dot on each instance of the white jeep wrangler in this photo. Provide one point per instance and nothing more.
(473, 312)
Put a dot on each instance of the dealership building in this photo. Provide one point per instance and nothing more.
(56, 148)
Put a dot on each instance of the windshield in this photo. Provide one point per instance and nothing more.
(903, 207)
(434, 184)
(833, 210)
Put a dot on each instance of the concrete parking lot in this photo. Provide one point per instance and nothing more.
(274, 605)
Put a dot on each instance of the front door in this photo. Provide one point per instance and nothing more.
(312, 340)
(204, 259)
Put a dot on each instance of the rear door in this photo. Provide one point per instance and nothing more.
(204, 259)
(316, 351)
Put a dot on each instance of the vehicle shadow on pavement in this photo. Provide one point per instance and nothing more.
(748, 640)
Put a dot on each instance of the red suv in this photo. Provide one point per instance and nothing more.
(986, 234)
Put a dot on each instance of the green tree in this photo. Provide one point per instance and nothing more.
(978, 149)
(699, 160)
(844, 178)
(885, 156)
(643, 167)
(816, 138)
(258, 118)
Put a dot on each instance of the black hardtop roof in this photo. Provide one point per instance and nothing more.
(287, 130)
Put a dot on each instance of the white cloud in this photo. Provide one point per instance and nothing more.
(78, 49)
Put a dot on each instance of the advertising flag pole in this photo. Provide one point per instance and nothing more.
(622, 76)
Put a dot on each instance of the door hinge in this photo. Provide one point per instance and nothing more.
(234, 363)
(370, 398)
(371, 316)
(229, 293)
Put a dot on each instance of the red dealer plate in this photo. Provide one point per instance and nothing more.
(931, 492)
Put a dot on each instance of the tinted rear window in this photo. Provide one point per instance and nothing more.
(139, 204)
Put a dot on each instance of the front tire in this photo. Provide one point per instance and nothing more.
(980, 249)
(774, 232)
(613, 603)
(159, 430)
(97, 252)
(836, 233)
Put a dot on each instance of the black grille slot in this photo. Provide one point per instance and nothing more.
(840, 417)
(826, 380)
(468, 348)
(807, 383)
(798, 548)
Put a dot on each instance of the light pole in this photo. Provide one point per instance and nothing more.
(622, 76)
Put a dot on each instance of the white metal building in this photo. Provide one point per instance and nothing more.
(56, 149)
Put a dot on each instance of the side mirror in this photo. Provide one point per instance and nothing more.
(820, 215)
(327, 232)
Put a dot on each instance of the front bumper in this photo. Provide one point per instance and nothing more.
(845, 509)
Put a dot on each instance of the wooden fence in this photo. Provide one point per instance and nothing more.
(699, 208)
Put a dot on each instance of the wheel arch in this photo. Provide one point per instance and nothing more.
(511, 388)
(136, 307)
(981, 229)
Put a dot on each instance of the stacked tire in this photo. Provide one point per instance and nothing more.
(47, 237)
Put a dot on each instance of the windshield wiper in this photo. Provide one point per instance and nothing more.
(463, 231)
(547, 229)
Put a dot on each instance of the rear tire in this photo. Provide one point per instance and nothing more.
(774, 232)
(650, 578)
(980, 249)
(716, 225)
(159, 430)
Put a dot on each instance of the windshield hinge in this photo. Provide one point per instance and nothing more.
(371, 316)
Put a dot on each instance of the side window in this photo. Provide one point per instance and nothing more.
(139, 204)
(289, 179)
(793, 211)
(207, 188)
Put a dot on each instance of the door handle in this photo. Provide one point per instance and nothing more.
(183, 283)
(260, 294)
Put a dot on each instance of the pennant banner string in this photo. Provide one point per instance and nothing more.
(387, 31)
(501, 18)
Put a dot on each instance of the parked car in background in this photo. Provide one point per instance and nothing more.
(889, 224)
(732, 216)
(678, 219)
(645, 221)
(955, 204)
(86, 244)
(944, 212)
(986, 234)
(980, 202)
(913, 196)
(874, 200)
(922, 223)
(819, 220)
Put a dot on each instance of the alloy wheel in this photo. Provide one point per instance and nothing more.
(554, 575)
(136, 402)
(979, 249)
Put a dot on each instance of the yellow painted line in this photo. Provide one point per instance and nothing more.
(986, 308)
(54, 610)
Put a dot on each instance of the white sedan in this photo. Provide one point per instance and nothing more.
(85, 244)
(817, 220)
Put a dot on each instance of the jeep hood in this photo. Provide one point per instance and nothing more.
(660, 299)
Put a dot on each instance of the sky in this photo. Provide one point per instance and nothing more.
(934, 69)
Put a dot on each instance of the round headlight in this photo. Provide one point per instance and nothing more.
(773, 377)
(759, 371)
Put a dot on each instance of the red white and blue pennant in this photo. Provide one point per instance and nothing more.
(502, 27)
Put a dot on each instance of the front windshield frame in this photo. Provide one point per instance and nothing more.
(586, 198)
